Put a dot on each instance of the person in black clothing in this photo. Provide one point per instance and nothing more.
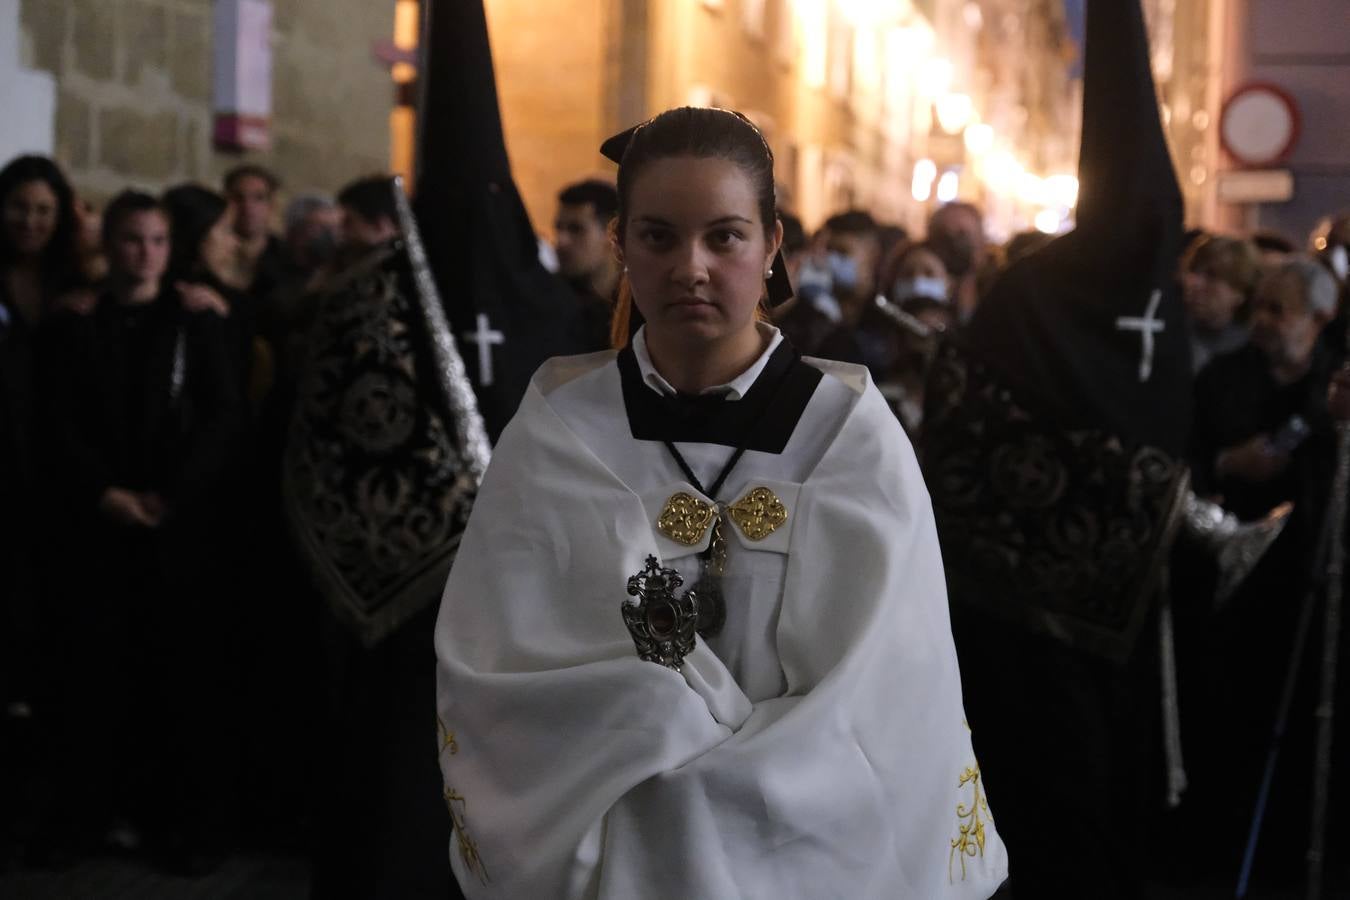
(369, 218)
(1246, 435)
(143, 422)
(586, 258)
(251, 191)
(914, 279)
(853, 251)
(1262, 436)
(204, 270)
(38, 263)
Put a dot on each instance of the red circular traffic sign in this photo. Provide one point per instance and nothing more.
(1259, 124)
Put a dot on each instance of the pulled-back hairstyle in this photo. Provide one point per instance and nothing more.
(702, 133)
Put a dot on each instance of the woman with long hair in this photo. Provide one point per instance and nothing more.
(695, 642)
(38, 262)
(205, 268)
(39, 225)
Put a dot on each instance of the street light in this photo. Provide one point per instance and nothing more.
(935, 77)
(925, 173)
(1062, 190)
(949, 186)
(954, 112)
(979, 139)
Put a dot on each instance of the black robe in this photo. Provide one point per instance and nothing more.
(146, 398)
(1062, 732)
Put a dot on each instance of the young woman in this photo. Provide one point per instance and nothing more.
(205, 270)
(38, 247)
(38, 262)
(1219, 279)
(793, 727)
(144, 425)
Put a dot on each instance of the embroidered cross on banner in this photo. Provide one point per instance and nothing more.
(1147, 325)
(485, 337)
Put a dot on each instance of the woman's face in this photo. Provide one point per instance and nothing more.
(695, 249)
(31, 213)
(922, 263)
(220, 248)
(1211, 302)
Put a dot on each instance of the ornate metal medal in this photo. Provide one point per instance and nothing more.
(662, 625)
(758, 514)
(685, 518)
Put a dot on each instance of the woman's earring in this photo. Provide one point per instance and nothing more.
(768, 274)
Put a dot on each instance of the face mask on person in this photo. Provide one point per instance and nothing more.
(813, 280)
(925, 286)
(843, 272)
(1339, 257)
(956, 251)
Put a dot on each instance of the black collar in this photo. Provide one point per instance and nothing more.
(762, 420)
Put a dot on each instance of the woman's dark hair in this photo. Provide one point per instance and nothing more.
(702, 133)
(193, 212)
(123, 205)
(794, 235)
(60, 259)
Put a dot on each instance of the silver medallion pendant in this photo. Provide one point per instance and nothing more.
(711, 605)
(662, 625)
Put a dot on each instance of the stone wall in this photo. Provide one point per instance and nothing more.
(134, 91)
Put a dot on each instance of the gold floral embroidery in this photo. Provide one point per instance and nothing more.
(447, 737)
(458, 806)
(685, 518)
(468, 849)
(758, 514)
(970, 824)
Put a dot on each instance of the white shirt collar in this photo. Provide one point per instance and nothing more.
(734, 389)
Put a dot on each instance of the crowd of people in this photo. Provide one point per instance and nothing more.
(160, 670)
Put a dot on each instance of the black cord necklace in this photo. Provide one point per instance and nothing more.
(712, 607)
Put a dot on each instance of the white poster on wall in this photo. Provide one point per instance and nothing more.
(27, 97)
(243, 74)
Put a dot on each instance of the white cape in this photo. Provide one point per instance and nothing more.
(573, 769)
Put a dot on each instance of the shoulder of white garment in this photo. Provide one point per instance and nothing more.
(558, 371)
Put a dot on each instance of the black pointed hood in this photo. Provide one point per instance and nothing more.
(1052, 325)
(478, 236)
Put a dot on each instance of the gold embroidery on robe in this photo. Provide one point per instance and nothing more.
(447, 737)
(468, 849)
(685, 518)
(758, 514)
(458, 806)
(970, 824)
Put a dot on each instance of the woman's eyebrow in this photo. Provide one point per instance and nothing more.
(720, 220)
